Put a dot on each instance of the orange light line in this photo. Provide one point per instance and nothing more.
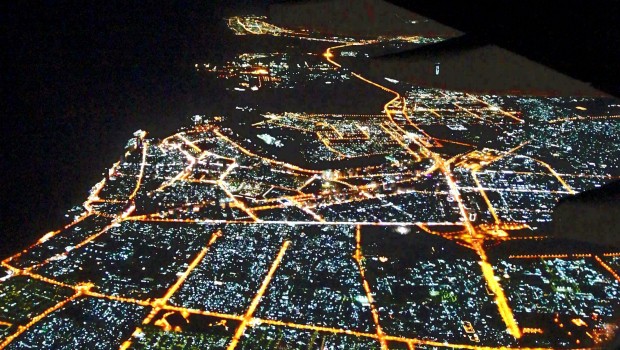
(145, 147)
(329, 55)
(486, 199)
(378, 85)
(143, 218)
(275, 122)
(504, 154)
(455, 142)
(46, 237)
(455, 193)
(34, 320)
(77, 246)
(521, 190)
(411, 341)
(308, 182)
(468, 111)
(45, 279)
(325, 142)
(454, 346)
(566, 186)
(109, 201)
(248, 153)
(202, 312)
(338, 330)
(119, 298)
(499, 109)
(248, 315)
(238, 204)
(585, 176)
(411, 122)
(315, 328)
(160, 303)
(402, 144)
(378, 175)
(358, 243)
(585, 118)
(307, 210)
(227, 171)
(192, 266)
(215, 155)
(607, 267)
(549, 256)
(181, 174)
(554, 173)
(189, 143)
(375, 314)
(127, 343)
(500, 298)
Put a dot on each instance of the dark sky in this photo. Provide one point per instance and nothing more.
(79, 77)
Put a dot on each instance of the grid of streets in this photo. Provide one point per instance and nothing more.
(419, 224)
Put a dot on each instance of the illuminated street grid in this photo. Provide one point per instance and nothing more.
(331, 231)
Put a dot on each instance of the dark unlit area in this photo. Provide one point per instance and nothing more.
(592, 216)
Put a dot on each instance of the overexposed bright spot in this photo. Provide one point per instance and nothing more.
(403, 230)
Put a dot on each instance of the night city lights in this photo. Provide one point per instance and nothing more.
(412, 218)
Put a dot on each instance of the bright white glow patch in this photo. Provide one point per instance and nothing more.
(270, 140)
(403, 230)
